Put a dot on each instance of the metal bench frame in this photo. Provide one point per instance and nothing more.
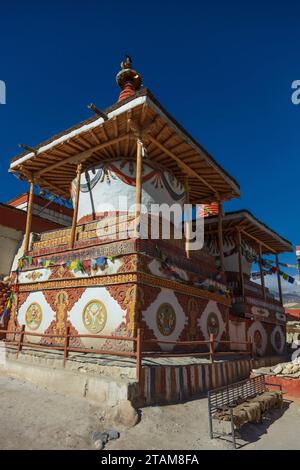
(225, 398)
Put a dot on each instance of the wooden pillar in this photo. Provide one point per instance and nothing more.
(220, 236)
(187, 223)
(66, 343)
(279, 280)
(76, 202)
(138, 188)
(29, 217)
(262, 277)
(211, 347)
(139, 355)
(239, 240)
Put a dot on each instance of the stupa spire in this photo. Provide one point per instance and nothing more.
(128, 79)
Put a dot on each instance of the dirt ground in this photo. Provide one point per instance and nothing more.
(35, 418)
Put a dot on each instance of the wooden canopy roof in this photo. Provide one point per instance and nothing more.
(251, 229)
(52, 164)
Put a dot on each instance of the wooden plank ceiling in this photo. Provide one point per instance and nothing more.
(165, 144)
(252, 230)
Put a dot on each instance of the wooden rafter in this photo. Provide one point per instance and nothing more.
(186, 168)
(165, 143)
(80, 157)
(247, 234)
(45, 183)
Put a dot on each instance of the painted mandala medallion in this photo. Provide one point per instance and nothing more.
(213, 324)
(166, 319)
(33, 317)
(258, 340)
(94, 316)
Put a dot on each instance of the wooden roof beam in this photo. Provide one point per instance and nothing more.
(44, 183)
(98, 111)
(259, 242)
(185, 167)
(95, 137)
(80, 157)
(27, 148)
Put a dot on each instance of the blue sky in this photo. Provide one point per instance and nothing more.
(223, 69)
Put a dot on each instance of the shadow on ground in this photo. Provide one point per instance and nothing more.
(253, 432)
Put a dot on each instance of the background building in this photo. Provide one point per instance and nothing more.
(47, 215)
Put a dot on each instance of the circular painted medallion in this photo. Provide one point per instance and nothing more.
(258, 336)
(33, 317)
(94, 316)
(258, 339)
(278, 339)
(213, 324)
(166, 319)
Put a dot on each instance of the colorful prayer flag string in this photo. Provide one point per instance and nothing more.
(7, 306)
(273, 270)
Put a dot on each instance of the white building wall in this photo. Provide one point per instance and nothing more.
(10, 240)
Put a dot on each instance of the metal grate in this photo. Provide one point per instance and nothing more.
(224, 397)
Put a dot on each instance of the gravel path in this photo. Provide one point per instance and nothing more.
(35, 418)
(185, 426)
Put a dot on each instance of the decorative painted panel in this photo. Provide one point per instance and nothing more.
(211, 321)
(97, 312)
(165, 315)
(258, 335)
(36, 275)
(36, 314)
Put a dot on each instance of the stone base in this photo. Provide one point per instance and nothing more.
(107, 380)
(102, 385)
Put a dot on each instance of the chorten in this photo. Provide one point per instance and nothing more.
(104, 275)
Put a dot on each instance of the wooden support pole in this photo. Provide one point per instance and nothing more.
(98, 111)
(220, 236)
(239, 240)
(251, 348)
(21, 339)
(27, 148)
(139, 355)
(227, 327)
(76, 202)
(279, 280)
(29, 216)
(187, 222)
(211, 347)
(262, 277)
(66, 344)
(138, 188)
